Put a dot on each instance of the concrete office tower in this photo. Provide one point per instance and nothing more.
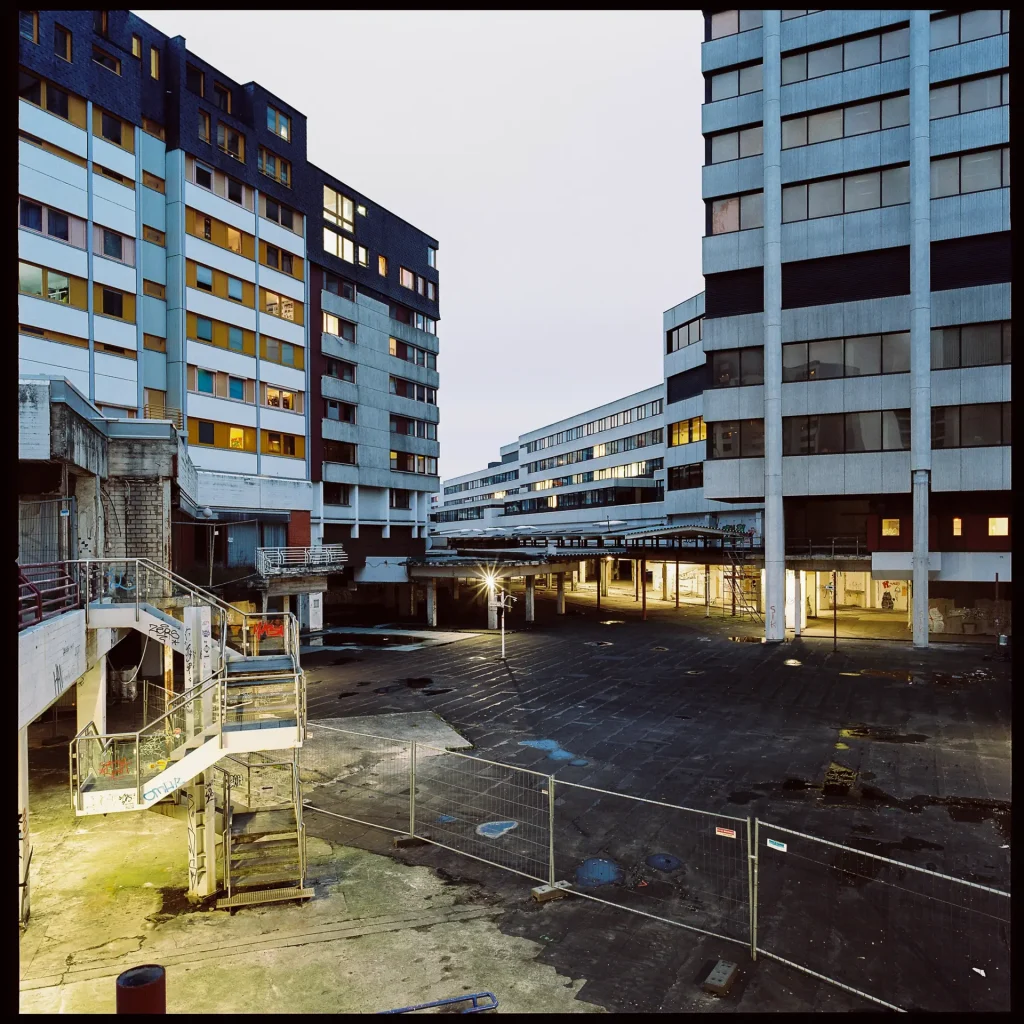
(857, 304)
(180, 259)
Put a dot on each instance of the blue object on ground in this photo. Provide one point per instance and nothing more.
(560, 755)
(539, 744)
(475, 1008)
(596, 871)
(495, 829)
(664, 862)
(444, 819)
(579, 762)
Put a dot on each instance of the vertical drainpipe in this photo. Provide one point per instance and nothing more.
(139, 347)
(774, 533)
(89, 251)
(920, 311)
(256, 286)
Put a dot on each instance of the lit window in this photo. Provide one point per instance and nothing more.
(136, 46)
(58, 287)
(231, 141)
(339, 209)
(382, 266)
(957, 526)
(431, 257)
(236, 438)
(279, 124)
(999, 526)
(406, 278)
(154, 63)
(273, 442)
(235, 240)
(890, 527)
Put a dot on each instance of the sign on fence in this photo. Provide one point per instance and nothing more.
(729, 833)
(774, 844)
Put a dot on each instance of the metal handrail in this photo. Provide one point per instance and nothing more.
(163, 412)
(271, 560)
(45, 589)
(74, 762)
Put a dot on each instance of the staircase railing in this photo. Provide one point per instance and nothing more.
(44, 589)
(734, 586)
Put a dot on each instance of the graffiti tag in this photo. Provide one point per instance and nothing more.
(164, 789)
(162, 632)
(264, 628)
(115, 768)
(58, 680)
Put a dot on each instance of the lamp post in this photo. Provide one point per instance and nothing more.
(502, 601)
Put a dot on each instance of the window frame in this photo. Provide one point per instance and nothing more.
(99, 52)
(277, 117)
(67, 52)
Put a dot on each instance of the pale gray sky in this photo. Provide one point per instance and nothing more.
(556, 157)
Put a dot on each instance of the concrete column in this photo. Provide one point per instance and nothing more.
(264, 598)
(168, 657)
(920, 312)
(664, 581)
(529, 598)
(636, 579)
(24, 835)
(572, 582)
(386, 529)
(643, 588)
(354, 498)
(798, 601)
(583, 571)
(432, 603)
(492, 611)
(91, 698)
(455, 588)
(775, 539)
(412, 600)
(286, 603)
(560, 593)
(605, 574)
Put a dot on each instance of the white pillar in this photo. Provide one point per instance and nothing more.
(798, 601)
(432, 603)
(920, 311)
(24, 834)
(583, 571)
(492, 611)
(412, 599)
(529, 598)
(354, 497)
(91, 698)
(775, 538)
(664, 581)
(560, 593)
(386, 528)
(604, 572)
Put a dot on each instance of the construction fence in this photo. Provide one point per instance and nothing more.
(897, 935)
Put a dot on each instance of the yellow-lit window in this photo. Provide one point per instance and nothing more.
(235, 240)
(890, 527)
(230, 141)
(957, 526)
(154, 63)
(998, 526)
(273, 442)
(136, 46)
(382, 266)
(236, 438)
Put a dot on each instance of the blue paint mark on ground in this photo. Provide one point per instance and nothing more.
(560, 755)
(664, 862)
(555, 752)
(539, 744)
(444, 819)
(597, 871)
(495, 829)
(579, 762)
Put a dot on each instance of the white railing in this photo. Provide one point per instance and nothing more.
(298, 561)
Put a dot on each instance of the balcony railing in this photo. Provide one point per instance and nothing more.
(44, 590)
(828, 547)
(163, 412)
(300, 561)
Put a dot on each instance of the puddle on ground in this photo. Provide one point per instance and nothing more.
(419, 683)
(351, 693)
(745, 639)
(597, 871)
(613, 622)
(664, 862)
(439, 690)
(344, 661)
(792, 662)
(369, 640)
(881, 734)
(838, 780)
(743, 798)
(659, 648)
(598, 643)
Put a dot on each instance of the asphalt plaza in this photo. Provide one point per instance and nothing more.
(876, 746)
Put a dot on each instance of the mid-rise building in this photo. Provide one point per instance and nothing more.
(180, 258)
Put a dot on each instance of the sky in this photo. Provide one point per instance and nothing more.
(555, 156)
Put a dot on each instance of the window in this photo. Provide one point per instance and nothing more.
(854, 53)
(110, 128)
(363, 256)
(204, 278)
(727, 23)
(154, 63)
(336, 494)
(236, 389)
(203, 175)
(963, 28)
(971, 345)
(984, 425)
(279, 124)
(236, 438)
(341, 411)
(681, 478)
(687, 431)
(736, 145)
(999, 526)
(835, 433)
(280, 399)
(890, 527)
(222, 97)
(431, 257)
(733, 367)
(431, 291)
(405, 462)
(970, 172)
(236, 339)
(737, 213)
(278, 305)
(857, 119)
(339, 327)
(958, 526)
(236, 192)
(154, 289)
(339, 209)
(104, 59)
(113, 303)
(411, 390)
(274, 167)
(154, 128)
(851, 357)
(58, 225)
(204, 133)
(113, 244)
(204, 328)
(235, 290)
(28, 25)
(339, 451)
(382, 266)
(281, 215)
(231, 141)
(205, 382)
(399, 499)
(685, 334)
(100, 22)
(338, 245)
(975, 94)
(152, 181)
(737, 82)
(194, 79)
(234, 239)
(137, 46)
(30, 279)
(855, 192)
(339, 286)
(206, 432)
(30, 215)
(62, 42)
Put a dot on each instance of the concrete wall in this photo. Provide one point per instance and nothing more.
(51, 656)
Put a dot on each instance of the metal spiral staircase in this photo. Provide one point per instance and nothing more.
(247, 696)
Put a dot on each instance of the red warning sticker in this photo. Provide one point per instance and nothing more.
(730, 832)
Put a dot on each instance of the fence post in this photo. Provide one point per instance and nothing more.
(412, 788)
(551, 830)
(753, 887)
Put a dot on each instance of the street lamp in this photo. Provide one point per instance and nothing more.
(501, 602)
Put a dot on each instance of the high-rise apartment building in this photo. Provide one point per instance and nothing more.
(180, 258)
(857, 306)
